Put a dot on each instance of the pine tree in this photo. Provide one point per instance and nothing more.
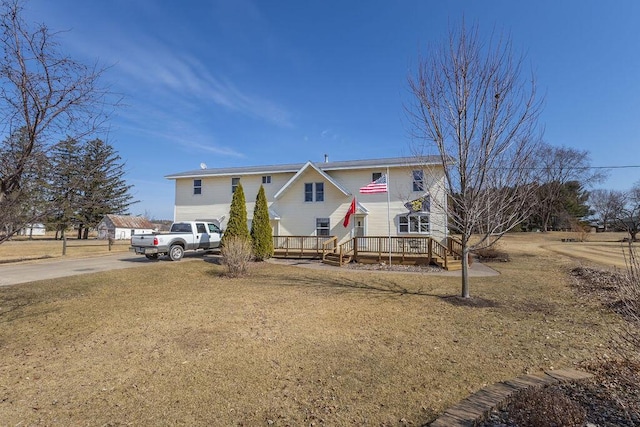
(103, 188)
(64, 188)
(237, 225)
(261, 235)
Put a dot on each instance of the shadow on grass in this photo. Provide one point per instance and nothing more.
(476, 302)
(370, 283)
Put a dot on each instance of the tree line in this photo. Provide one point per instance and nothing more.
(51, 168)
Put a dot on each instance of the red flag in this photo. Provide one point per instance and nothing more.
(351, 211)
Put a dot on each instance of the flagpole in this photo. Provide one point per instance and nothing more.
(389, 214)
(353, 226)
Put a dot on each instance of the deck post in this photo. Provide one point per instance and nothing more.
(430, 250)
(355, 249)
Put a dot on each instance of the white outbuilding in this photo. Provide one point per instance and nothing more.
(121, 227)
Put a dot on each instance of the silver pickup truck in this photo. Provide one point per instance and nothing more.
(183, 236)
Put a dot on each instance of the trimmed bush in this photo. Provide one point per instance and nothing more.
(236, 255)
(261, 234)
(237, 225)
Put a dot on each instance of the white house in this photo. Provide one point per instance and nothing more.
(312, 199)
(121, 227)
(37, 229)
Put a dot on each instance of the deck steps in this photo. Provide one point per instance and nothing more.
(335, 259)
(452, 264)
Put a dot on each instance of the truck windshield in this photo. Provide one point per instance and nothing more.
(181, 227)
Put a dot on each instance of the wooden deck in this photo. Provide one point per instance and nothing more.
(370, 250)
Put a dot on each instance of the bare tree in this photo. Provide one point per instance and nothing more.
(472, 105)
(43, 93)
(559, 166)
(603, 204)
(627, 211)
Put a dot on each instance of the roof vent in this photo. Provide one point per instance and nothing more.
(326, 158)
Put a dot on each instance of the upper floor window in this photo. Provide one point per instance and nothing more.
(197, 186)
(234, 184)
(376, 176)
(418, 180)
(314, 192)
(266, 179)
(319, 192)
(414, 223)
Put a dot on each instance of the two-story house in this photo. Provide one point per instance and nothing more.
(312, 199)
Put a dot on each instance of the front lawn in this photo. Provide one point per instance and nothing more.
(178, 343)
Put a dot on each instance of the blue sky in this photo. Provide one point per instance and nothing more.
(244, 83)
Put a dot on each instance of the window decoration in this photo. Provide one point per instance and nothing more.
(421, 204)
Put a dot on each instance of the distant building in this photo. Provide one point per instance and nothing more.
(32, 230)
(121, 227)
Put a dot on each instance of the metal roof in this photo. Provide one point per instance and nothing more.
(295, 167)
(127, 221)
(295, 177)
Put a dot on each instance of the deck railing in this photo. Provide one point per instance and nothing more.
(454, 245)
(329, 246)
(402, 248)
(442, 252)
(299, 246)
(395, 245)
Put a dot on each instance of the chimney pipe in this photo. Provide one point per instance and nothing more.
(326, 158)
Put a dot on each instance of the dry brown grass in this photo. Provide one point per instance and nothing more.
(38, 248)
(178, 343)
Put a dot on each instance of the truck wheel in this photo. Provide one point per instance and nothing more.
(153, 257)
(176, 252)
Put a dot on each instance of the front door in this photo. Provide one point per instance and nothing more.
(359, 228)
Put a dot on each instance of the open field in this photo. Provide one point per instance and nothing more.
(38, 248)
(178, 343)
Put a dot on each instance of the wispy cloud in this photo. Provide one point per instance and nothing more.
(174, 74)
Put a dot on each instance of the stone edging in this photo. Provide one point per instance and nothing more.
(467, 412)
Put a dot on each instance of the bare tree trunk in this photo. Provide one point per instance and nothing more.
(465, 271)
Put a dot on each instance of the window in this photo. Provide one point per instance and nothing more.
(234, 184)
(197, 186)
(414, 223)
(266, 179)
(213, 228)
(376, 176)
(319, 192)
(314, 192)
(322, 227)
(180, 227)
(308, 192)
(200, 228)
(418, 180)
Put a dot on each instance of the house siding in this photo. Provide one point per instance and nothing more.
(298, 217)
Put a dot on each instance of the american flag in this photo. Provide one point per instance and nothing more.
(377, 186)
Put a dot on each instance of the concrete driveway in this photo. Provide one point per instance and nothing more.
(13, 274)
